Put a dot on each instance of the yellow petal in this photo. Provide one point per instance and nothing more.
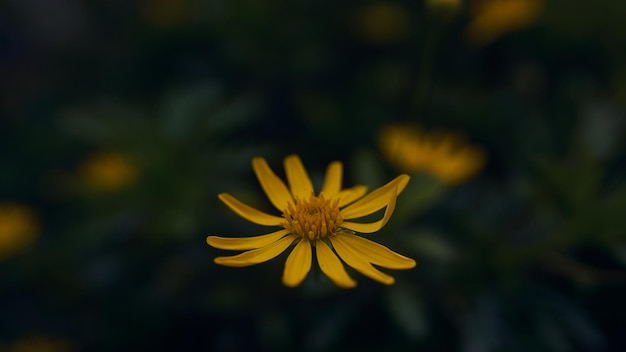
(274, 187)
(375, 253)
(349, 195)
(331, 266)
(376, 200)
(332, 181)
(356, 260)
(299, 181)
(245, 243)
(249, 213)
(298, 264)
(377, 225)
(259, 255)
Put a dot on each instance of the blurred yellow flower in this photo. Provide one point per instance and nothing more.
(493, 18)
(383, 23)
(40, 344)
(18, 228)
(443, 155)
(109, 172)
(316, 221)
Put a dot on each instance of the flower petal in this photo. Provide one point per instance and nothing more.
(249, 213)
(375, 253)
(376, 200)
(332, 266)
(332, 180)
(259, 255)
(377, 225)
(299, 181)
(298, 264)
(274, 187)
(349, 195)
(356, 260)
(245, 243)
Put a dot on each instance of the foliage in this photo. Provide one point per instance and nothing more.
(175, 98)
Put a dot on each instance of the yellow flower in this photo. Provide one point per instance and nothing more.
(443, 155)
(18, 228)
(316, 221)
(109, 172)
(493, 18)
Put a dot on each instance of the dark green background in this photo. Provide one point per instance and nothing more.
(527, 256)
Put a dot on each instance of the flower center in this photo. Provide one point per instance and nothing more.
(314, 218)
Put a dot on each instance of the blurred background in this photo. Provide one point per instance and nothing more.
(121, 121)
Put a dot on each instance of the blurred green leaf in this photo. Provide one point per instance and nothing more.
(601, 128)
(367, 170)
(429, 245)
(483, 328)
(182, 109)
(619, 252)
(421, 194)
(406, 309)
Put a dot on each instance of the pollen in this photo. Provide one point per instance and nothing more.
(313, 218)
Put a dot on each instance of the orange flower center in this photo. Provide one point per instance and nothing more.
(314, 218)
